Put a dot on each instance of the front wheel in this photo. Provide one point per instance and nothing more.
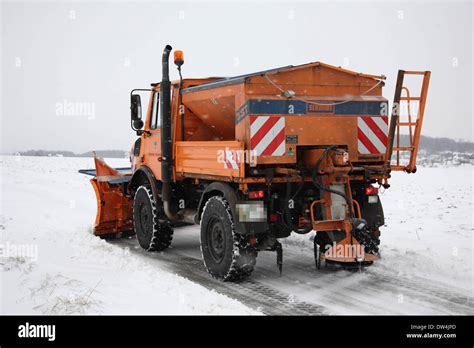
(226, 253)
(151, 234)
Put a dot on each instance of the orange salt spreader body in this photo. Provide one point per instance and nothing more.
(254, 158)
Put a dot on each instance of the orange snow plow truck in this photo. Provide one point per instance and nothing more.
(255, 157)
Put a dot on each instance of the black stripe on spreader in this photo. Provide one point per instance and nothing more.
(300, 107)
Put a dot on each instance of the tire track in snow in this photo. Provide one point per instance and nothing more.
(353, 293)
(433, 295)
(253, 293)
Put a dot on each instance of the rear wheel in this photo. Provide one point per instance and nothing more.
(151, 234)
(226, 253)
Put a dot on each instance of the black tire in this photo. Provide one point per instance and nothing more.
(226, 253)
(151, 234)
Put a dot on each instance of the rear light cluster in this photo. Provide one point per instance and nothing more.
(272, 217)
(371, 191)
(256, 194)
(372, 194)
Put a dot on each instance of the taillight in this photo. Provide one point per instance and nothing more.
(256, 194)
(371, 191)
(273, 217)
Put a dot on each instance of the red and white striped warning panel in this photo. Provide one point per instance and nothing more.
(267, 135)
(231, 159)
(372, 134)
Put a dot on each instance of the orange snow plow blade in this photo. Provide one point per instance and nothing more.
(114, 208)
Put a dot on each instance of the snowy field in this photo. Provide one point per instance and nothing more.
(48, 209)
(51, 262)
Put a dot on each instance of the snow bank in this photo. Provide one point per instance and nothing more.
(52, 264)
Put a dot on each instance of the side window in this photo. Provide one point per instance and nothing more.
(155, 115)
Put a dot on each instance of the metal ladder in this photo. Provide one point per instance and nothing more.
(397, 121)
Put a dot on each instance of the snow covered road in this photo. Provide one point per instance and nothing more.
(304, 290)
(426, 266)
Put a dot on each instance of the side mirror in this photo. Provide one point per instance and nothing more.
(138, 124)
(136, 109)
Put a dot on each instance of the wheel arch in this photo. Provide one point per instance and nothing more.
(144, 175)
(218, 189)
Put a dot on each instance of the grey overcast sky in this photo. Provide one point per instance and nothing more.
(91, 54)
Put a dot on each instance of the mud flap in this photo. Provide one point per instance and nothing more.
(114, 207)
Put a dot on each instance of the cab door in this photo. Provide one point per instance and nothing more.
(151, 138)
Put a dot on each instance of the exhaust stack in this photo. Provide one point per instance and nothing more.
(165, 114)
(166, 140)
